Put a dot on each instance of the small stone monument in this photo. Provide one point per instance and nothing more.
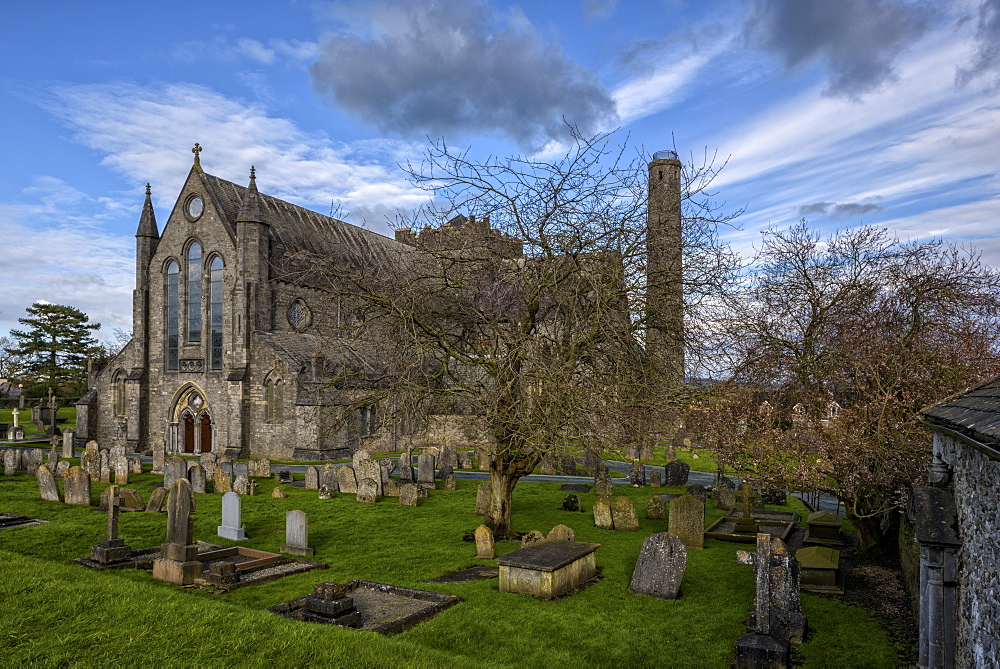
(571, 503)
(367, 490)
(408, 494)
(76, 484)
(824, 529)
(656, 508)
(532, 537)
(328, 478)
(405, 468)
(196, 474)
(687, 521)
(561, 533)
(47, 487)
(777, 618)
(602, 480)
(484, 494)
(232, 527)
(330, 604)
(159, 454)
(724, 493)
(675, 473)
(820, 570)
(485, 547)
(297, 533)
(697, 491)
(222, 481)
(655, 478)
(425, 470)
(278, 493)
(312, 478)
(67, 443)
(660, 567)
(173, 469)
(346, 481)
(178, 562)
(623, 515)
(602, 513)
(155, 503)
(241, 485)
(111, 549)
(637, 475)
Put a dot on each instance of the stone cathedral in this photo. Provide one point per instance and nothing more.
(228, 354)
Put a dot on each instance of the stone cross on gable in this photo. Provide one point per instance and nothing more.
(761, 562)
(196, 150)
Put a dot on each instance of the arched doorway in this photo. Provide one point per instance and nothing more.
(206, 432)
(188, 433)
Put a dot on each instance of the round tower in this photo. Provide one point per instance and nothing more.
(664, 276)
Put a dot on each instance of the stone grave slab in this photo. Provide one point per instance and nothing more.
(477, 573)
(660, 567)
(548, 569)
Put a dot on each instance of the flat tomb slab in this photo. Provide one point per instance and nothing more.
(724, 529)
(477, 573)
(548, 569)
(249, 567)
(385, 609)
(15, 520)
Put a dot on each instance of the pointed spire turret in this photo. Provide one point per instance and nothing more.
(251, 210)
(147, 222)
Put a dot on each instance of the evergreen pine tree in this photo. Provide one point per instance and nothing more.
(56, 344)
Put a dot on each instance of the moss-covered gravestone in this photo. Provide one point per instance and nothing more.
(687, 521)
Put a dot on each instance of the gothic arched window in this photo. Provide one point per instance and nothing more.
(215, 311)
(173, 314)
(194, 292)
(274, 400)
(118, 387)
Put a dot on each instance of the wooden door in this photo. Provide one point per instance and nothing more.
(188, 433)
(206, 433)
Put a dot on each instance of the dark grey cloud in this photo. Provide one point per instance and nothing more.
(447, 67)
(986, 62)
(858, 40)
(838, 212)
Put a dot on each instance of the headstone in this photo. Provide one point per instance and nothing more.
(174, 468)
(61, 468)
(241, 469)
(159, 454)
(312, 478)
(178, 561)
(602, 481)
(131, 500)
(90, 460)
(675, 473)
(47, 486)
(571, 503)
(547, 467)
(425, 470)
(232, 518)
(390, 488)
(367, 468)
(284, 476)
(445, 472)
(408, 494)
(10, 462)
(261, 468)
(35, 457)
(656, 508)
(278, 493)
(104, 473)
(155, 503)
(53, 458)
(698, 491)
(450, 483)
(196, 474)
(328, 478)
(297, 533)
(208, 461)
(405, 468)
(115, 452)
(387, 466)
(135, 466)
(367, 490)
(324, 492)
(76, 485)
(637, 474)
(345, 480)
(655, 478)
(484, 494)
(485, 547)
(241, 486)
(222, 481)
(532, 537)
(602, 513)
(724, 493)
(777, 610)
(226, 465)
(561, 533)
(687, 521)
(660, 567)
(111, 549)
(623, 515)
(120, 466)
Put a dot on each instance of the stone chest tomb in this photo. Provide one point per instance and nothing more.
(548, 569)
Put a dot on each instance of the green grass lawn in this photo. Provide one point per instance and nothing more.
(65, 417)
(57, 613)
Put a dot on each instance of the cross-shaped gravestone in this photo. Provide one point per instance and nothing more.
(761, 562)
(745, 494)
(114, 503)
(14, 412)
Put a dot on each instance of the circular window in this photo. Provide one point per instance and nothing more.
(194, 207)
(299, 315)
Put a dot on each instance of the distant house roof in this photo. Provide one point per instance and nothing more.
(300, 236)
(973, 415)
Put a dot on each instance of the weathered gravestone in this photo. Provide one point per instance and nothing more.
(34, 461)
(602, 480)
(369, 469)
(660, 567)
(367, 490)
(232, 518)
(408, 494)
(111, 549)
(53, 458)
(324, 492)
(104, 468)
(484, 494)
(222, 481)
(174, 468)
(178, 562)
(278, 493)
(130, 499)
(155, 503)
(465, 460)
(67, 443)
(532, 537)
(196, 474)
(241, 469)
(698, 491)
(208, 463)
(602, 513)
(135, 466)
(119, 468)
(328, 478)
(76, 485)
(90, 461)
(656, 508)
(241, 485)
(724, 493)
(10, 461)
(159, 449)
(777, 609)
(345, 480)
(450, 483)
(571, 503)
(61, 468)
(655, 477)
(47, 486)
(687, 521)
(485, 547)
(425, 470)
(312, 478)
(297, 533)
(623, 515)
(637, 474)
(561, 533)
(676, 473)
(390, 488)
(405, 468)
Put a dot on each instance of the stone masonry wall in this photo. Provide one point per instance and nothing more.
(977, 499)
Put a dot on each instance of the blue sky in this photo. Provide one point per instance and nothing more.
(846, 112)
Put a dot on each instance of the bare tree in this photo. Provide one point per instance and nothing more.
(12, 364)
(858, 332)
(526, 310)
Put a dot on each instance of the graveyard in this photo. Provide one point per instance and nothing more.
(64, 613)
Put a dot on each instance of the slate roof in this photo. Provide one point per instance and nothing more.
(300, 236)
(973, 413)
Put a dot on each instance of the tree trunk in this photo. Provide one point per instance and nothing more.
(503, 478)
(869, 529)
